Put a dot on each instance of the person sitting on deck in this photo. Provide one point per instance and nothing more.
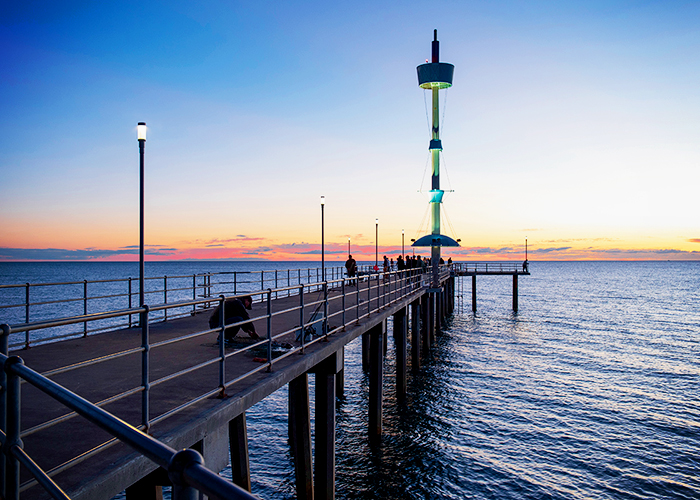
(234, 312)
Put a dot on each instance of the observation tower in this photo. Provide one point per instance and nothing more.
(435, 76)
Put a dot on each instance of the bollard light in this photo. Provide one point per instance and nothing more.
(141, 131)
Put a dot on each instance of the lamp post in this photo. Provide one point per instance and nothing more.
(323, 250)
(348, 247)
(525, 248)
(141, 131)
(376, 244)
(402, 239)
(414, 248)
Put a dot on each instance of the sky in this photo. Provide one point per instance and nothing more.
(574, 125)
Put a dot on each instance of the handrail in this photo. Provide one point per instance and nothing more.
(185, 467)
(91, 293)
(494, 267)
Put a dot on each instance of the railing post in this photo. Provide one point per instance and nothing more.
(165, 297)
(262, 280)
(369, 295)
(145, 369)
(194, 293)
(325, 310)
(85, 307)
(342, 287)
(176, 473)
(130, 323)
(289, 283)
(235, 283)
(276, 284)
(26, 303)
(357, 299)
(269, 330)
(301, 316)
(26, 316)
(12, 438)
(222, 349)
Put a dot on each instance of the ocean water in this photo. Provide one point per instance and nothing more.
(590, 391)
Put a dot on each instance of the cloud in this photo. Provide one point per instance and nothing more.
(238, 239)
(148, 245)
(550, 250)
(694, 240)
(80, 254)
(318, 252)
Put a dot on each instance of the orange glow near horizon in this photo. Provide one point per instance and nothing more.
(260, 249)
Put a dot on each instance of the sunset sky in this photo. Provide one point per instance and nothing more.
(575, 124)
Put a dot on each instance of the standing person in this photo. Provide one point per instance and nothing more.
(400, 264)
(235, 311)
(351, 267)
(386, 265)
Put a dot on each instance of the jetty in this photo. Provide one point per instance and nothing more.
(475, 269)
(175, 382)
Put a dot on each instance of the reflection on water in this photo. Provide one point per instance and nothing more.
(590, 391)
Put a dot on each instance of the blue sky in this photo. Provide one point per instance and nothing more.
(572, 123)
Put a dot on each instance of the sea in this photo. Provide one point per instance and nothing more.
(589, 391)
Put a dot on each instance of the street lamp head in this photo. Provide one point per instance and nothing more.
(141, 130)
(376, 221)
(323, 200)
(402, 231)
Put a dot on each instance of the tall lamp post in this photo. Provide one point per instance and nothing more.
(525, 248)
(402, 240)
(141, 131)
(323, 249)
(348, 247)
(376, 244)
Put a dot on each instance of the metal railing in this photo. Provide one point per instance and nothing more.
(489, 267)
(185, 468)
(371, 293)
(35, 302)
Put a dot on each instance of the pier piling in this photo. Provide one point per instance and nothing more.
(400, 345)
(415, 336)
(238, 442)
(474, 293)
(324, 477)
(376, 372)
(300, 436)
(425, 323)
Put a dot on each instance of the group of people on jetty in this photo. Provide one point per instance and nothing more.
(402, 264)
